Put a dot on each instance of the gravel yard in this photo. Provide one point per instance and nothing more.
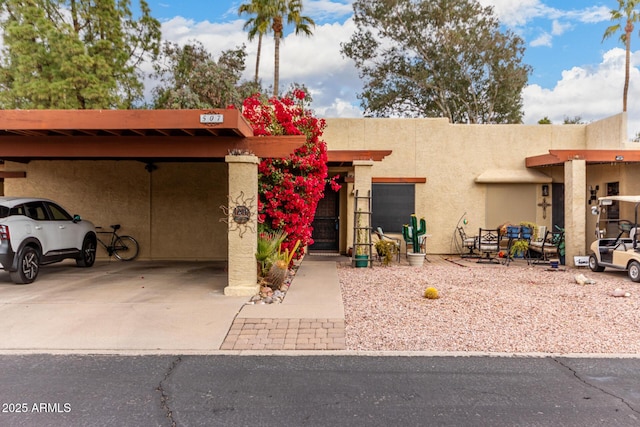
(489, 308)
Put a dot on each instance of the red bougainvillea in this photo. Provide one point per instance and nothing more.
(290, 188)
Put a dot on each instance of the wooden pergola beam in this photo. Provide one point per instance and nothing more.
(559, 157)
(116, 121)
(392, 180)
(336, 156)
(25, 148)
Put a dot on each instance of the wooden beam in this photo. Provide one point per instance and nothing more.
(119, 120)
(12, 174)
(392, 180)
(17, 148)
(351, 155)
(558, 157)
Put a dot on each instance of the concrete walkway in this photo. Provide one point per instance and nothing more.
(311, 317)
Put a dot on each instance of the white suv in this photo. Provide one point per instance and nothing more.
(34, 232)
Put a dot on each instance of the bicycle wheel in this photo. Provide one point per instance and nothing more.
(125, 248)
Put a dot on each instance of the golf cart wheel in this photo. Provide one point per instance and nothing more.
(593, 264)
(634, 271)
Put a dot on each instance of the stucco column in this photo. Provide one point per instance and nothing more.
(575, 202)
(362, 170)
(242, 231)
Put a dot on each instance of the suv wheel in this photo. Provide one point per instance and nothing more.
(28, 266)
(88, 254)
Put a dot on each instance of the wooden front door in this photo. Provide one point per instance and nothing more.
(325, 223)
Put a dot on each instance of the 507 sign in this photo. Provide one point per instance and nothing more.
(211, 118)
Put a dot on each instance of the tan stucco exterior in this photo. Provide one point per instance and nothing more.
(459, 161)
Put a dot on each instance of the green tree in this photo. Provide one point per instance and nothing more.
(74, 53)
(256, 25)
(544, 121)
(625, 13)
(191, 78)
(438, 58)
(276, 12)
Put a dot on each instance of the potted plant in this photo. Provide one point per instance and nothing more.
(518, 248)
(386, 250)
(412, 235)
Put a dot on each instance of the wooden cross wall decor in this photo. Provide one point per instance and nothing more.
(544, 205)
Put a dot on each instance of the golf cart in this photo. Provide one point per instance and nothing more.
(621, 252)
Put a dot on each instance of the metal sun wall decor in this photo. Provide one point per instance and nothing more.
(239, 213)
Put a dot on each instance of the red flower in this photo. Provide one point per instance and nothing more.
(290, 188)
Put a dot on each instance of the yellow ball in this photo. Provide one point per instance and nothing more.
(431, 293)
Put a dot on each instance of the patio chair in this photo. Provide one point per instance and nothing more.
(548, 247)
(489, 245)
(468, 243)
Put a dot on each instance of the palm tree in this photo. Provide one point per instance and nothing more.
(256, 25)
(292, 9)
(270, 15)
(625, 13)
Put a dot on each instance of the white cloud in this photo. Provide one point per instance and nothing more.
(321, 10)
(591, 93)
(543, 39)
(517, 13)
(558, 28)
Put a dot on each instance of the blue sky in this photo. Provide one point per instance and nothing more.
(574, 72)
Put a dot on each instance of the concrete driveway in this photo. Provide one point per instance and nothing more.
(126, 307)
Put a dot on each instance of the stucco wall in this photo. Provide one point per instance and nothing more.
(451, 157)
(173, 212)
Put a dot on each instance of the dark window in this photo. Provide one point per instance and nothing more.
(58, 214)
(17, 210)
(392, 206)
(4, 211)
(35, 210)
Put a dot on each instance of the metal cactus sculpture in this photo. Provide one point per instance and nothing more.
(412, 233)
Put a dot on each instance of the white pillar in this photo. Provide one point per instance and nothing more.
(242, 236)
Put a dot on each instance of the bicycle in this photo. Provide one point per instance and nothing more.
(125, 248)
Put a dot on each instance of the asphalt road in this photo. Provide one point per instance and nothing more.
(46, 390)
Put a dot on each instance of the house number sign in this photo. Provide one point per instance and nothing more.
(211, 118)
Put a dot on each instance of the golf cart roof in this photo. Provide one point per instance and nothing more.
(631, 199)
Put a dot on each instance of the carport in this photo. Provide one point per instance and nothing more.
(39, 149)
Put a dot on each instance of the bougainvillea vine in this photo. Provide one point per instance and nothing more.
(289, 188)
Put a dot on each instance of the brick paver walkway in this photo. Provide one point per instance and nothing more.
(285, 334)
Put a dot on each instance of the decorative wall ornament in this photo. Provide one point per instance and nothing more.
(239, 213)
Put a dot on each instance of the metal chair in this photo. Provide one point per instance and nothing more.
(489, 245)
